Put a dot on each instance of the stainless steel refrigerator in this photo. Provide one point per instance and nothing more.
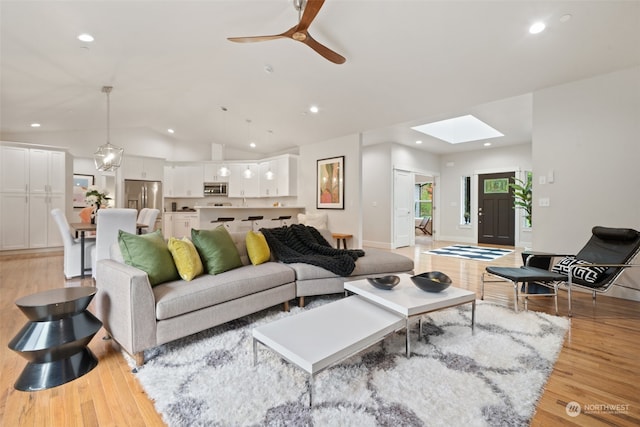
(140, 194)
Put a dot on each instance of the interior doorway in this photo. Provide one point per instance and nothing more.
(496, 220)
(402, 208)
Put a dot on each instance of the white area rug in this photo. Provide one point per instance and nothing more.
(453, 378)
(479, 253)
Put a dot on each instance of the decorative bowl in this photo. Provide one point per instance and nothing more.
(432, 281)
(384, 282)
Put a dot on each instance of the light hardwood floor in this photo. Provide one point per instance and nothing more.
(598, 364)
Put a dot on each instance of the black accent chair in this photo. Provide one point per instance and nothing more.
(595, 267)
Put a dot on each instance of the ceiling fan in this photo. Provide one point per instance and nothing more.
(307, 11)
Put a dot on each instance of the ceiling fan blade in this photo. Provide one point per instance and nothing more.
(253, 39)
(324, 51)
(311, 9)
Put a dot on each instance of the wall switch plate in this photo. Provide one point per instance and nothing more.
(543, 201)
(542, 179)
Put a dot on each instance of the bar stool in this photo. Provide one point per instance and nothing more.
(253, 220)
(282, 219)
(224, 220)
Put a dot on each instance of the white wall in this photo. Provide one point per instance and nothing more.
(347, 220)
(473, 163)
(377, 180)
(586, 133)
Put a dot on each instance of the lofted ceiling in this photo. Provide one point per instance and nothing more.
(408, 62)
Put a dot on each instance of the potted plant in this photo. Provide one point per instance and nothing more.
(522, 195)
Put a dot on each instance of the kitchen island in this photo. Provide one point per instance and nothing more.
(210, 215)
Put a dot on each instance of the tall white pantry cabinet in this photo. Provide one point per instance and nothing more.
(33, 181)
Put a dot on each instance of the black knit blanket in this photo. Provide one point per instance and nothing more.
(305, 244)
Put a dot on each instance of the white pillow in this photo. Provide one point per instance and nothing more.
(318, 220)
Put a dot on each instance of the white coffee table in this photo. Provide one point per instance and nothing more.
(316, 339)
(409, 301)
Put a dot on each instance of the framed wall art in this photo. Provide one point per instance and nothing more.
(80, 185)
(330, 184)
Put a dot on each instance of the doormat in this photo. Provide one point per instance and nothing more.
(470, 252)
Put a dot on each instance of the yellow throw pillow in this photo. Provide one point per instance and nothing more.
(257, 248)
(186, 258)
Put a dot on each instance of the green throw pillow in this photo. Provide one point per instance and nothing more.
(216, 249)
(149, 253)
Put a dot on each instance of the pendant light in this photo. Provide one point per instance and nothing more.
(108, 157)
(269, 175)
(224, 169)
(248, 173)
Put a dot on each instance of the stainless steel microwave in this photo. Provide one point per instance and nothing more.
(215, 188)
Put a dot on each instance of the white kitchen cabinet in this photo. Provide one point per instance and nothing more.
(284, 172)
(32, 182)
(212, 172)
(184, 180)
(14, 174)
(139, 167)
(183, 223)
(14, 221)
(167, 225)
(242, 184)
(46, 172)
(43, 230)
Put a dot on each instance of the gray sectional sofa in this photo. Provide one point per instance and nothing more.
(139, 316)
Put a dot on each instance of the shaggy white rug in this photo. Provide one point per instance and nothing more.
(491, 378)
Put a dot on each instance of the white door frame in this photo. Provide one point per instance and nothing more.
(403, 220)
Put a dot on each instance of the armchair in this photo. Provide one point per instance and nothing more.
(596, 267)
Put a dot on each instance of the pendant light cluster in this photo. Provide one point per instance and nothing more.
(108, 157)
(225, 171)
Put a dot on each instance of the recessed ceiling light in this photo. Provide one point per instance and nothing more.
(86, 38)
(537, 28)
(314, 109)
(252, 145)
(487, 144)
(268, 69)
(171, 130)
(418, 142)
(459, 129)
(35, 125)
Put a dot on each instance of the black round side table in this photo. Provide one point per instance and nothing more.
(55, 339)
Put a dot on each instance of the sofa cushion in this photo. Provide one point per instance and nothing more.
(174, 298)
(316, 220)
(217, 250)
(375, 261)
(257, 248)
(149, 253)
(186, 258)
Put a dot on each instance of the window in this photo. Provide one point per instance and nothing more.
(465, 200)
(423, 196)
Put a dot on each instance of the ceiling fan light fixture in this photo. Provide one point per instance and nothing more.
(108, 157)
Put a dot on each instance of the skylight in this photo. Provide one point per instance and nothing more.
(459, 129)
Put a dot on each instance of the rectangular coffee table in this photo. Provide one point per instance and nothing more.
(318, 338)
(409, 301)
